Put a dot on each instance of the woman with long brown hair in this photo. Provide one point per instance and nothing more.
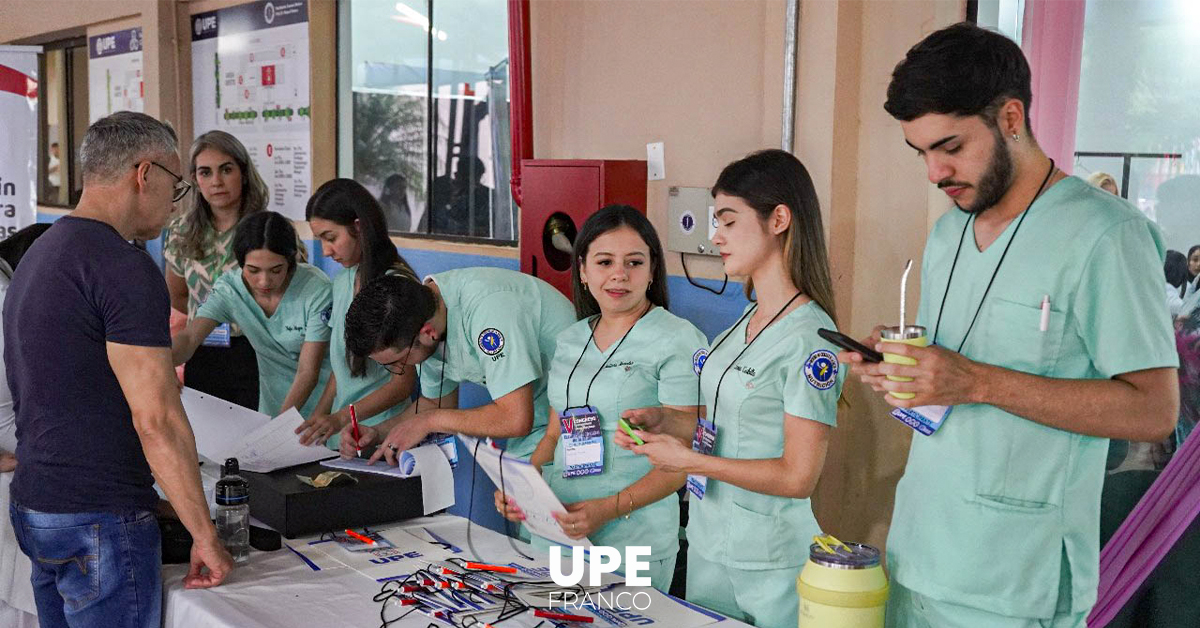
(771, 387)
(199, 249)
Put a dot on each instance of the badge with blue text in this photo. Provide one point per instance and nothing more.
(698, 360)
(582, 442)
(821, 369)
(491, 341)
(705, 442)
(220, 336)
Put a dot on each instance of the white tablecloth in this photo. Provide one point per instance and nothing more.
(278, 589)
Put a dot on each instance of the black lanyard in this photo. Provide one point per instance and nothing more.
(442, 380)
(717, 393)
(1003, 254)
(588, 396)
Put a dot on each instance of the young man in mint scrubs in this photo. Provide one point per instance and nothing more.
(1042, 296)
(488, 326)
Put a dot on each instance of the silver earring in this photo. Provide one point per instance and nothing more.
(1016, 138)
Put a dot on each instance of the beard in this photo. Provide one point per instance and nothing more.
(995, 181)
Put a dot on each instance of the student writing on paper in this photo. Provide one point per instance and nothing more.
(488, 326)
(626, 351)
(280, 305)
(771, 386)
(349, 224)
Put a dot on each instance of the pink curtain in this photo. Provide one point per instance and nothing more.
(1052, 38)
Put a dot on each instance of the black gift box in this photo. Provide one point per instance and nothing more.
(297, 509)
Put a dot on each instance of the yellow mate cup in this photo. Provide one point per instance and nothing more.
(910, 335)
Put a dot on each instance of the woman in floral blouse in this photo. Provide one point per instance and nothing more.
(199, 249)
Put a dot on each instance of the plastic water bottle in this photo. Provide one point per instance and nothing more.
(233, 511)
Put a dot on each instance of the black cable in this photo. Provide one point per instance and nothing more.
(471, 500)
(702, 286)
(504, 497)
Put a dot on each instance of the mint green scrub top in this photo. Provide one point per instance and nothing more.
(302, 316)
(788, 369)
(653, 366)
(992, 504)
(500, 333)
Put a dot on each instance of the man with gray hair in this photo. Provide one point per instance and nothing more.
(88, 351)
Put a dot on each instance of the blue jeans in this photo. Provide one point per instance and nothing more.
(93, 569)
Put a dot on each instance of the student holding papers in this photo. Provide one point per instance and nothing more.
(489, 326)
(626, 351)
(281, 306)
(771, 386)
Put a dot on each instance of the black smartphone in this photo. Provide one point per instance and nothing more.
(850, 344)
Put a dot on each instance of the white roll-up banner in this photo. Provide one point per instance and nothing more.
(18, 137)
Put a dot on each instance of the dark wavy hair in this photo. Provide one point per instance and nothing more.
(14, 247)
(386, 313)
(960, 70)
(342, 201)
(607, 219)
(266, 230)
(767, 179)
(1175, 267)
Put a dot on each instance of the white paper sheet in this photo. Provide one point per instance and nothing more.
(219, 426)
(276, 445)
(525, 484)
(261, 444)
(429, 462)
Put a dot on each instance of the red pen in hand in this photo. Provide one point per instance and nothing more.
(354, 431)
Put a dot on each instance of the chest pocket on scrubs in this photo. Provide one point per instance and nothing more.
(758, 429)
(1020, 461)
(1015, 339)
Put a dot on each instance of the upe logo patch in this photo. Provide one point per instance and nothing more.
(698, 360)
(821, 369)
(491, 341)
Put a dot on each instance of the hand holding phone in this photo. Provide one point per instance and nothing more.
(850, 344)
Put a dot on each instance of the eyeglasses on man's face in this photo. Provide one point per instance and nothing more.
(182, 187)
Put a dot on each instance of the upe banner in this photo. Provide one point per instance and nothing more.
(18, 137)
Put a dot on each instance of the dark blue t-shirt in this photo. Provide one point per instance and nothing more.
(79, 286)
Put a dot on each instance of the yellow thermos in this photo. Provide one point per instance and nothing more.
(841, 586)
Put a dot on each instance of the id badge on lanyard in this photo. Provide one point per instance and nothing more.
(447, 443)
(219, 337)
(582, 441)
(705, 442)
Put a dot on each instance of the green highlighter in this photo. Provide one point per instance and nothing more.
(625, 427)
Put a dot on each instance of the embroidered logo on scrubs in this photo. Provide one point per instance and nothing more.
(326, 313)
(821, 369)
(491, 341)
(698, 360)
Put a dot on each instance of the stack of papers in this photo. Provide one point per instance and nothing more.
(261, 444)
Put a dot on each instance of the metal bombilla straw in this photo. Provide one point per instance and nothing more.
(904, 295)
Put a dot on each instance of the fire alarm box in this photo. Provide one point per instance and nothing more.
(558, 196)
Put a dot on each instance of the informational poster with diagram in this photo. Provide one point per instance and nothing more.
(115, 81)
(250, 78)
